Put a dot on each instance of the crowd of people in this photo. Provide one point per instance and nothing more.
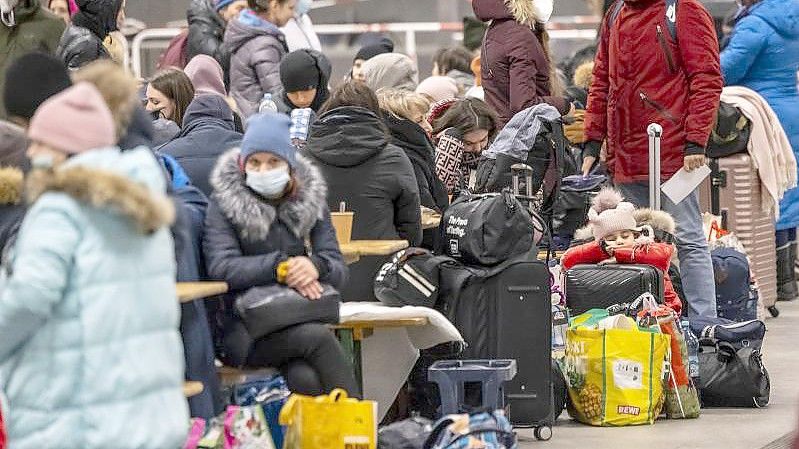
(227, 168)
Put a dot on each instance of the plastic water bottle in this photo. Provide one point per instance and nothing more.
(693, 351)
(267, 104)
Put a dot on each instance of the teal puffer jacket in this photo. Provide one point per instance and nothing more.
(90, 354)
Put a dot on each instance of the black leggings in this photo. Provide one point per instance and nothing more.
(309, 357)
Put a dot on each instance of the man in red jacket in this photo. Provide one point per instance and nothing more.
(643, 75)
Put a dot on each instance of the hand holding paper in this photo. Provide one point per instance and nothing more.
(684, 182)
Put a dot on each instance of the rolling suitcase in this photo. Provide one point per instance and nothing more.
(733, 192)
(603, 286)
(504, 312)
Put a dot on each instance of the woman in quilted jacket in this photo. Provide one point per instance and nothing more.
(91, 356)
(257, 46)
(619, 239)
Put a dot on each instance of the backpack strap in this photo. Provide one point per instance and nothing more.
(671, 16)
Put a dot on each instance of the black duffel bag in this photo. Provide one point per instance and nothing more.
(488, 229)
(410, 279)
(730, 377)
(268, 309)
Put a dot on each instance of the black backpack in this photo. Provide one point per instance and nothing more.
(410, 279)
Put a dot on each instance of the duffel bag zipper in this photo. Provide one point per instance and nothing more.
(665, 47)
(658, 107)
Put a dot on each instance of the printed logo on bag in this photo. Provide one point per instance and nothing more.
(628, 410)
(356, 442)
(457, 226)
(453, 248)
(628, 374)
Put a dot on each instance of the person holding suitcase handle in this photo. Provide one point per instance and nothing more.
(658, 62)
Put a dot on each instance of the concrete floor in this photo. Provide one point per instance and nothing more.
(716, 428)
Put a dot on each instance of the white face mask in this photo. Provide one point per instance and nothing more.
(270, 183)
(7, 12)
(43, 161)
(543, 10)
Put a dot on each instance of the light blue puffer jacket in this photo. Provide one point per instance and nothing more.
(90, 354)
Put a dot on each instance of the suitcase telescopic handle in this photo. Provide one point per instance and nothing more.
(655, 131)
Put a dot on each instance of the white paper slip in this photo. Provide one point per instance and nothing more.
(684, 182)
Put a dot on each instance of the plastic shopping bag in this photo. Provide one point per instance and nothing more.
(246, 428)
(615, 376)
(332, 421)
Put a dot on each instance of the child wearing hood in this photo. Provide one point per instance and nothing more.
(619, 239)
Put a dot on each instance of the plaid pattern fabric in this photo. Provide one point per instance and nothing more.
(300, 123)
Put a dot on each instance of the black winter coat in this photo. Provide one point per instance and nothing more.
(208, 131)
(417, 146)
(79, 47)
(206, 33)
(362, 168)
(375, 178)
(246, 237)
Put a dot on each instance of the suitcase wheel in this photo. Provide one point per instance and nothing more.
(543, 433)
(774, 311)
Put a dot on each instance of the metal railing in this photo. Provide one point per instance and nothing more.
(559, 28)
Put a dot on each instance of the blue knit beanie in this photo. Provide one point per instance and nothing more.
(222, 4)
(269, 133)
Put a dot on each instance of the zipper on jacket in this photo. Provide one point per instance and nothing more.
(663, 111)
(665, 47)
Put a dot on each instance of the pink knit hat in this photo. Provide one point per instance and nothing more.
(438, 88)
(74, 121)
(609, 213)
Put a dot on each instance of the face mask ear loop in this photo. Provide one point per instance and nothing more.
(474, 114)
(8, 19)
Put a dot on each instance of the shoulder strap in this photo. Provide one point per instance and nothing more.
(671, 18)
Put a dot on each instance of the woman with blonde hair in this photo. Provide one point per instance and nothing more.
(404, 113)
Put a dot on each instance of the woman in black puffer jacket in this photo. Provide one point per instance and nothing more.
(350, 145)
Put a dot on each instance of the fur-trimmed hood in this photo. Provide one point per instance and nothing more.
(252, 215)
(11, 184)
(521, 11)
(130, 184)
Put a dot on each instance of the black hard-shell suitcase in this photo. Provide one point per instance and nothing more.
(601, 286)
(504, 312)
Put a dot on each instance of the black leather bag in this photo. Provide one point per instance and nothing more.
(265, 310)
(730, 377)
(602, 286)
(487, 229)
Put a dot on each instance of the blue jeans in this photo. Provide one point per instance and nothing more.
(696, 267)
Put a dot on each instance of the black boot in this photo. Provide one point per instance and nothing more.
(786, 274)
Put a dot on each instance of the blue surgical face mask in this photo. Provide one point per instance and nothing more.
(270, 183)
(302, 7)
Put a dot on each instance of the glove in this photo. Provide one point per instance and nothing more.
(575, 130)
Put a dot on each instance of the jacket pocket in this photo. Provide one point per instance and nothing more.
(665, 113)
(666, 50)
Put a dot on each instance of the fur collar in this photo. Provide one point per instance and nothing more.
(522, 11)
(11, 183)
(104, 189)
(252, 215)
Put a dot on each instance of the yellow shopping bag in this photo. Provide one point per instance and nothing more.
(333, 421)
(616, 376)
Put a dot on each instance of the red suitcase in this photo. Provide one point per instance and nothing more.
(733, 191)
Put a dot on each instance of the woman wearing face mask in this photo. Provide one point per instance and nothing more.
(299, 30)
(169, 94)
(257, 45)
(405, 114)
(267, 202)
(88, 310)
(516, 67)
(463, 129)
(82, 42)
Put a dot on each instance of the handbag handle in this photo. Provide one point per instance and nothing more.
(337, 395)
